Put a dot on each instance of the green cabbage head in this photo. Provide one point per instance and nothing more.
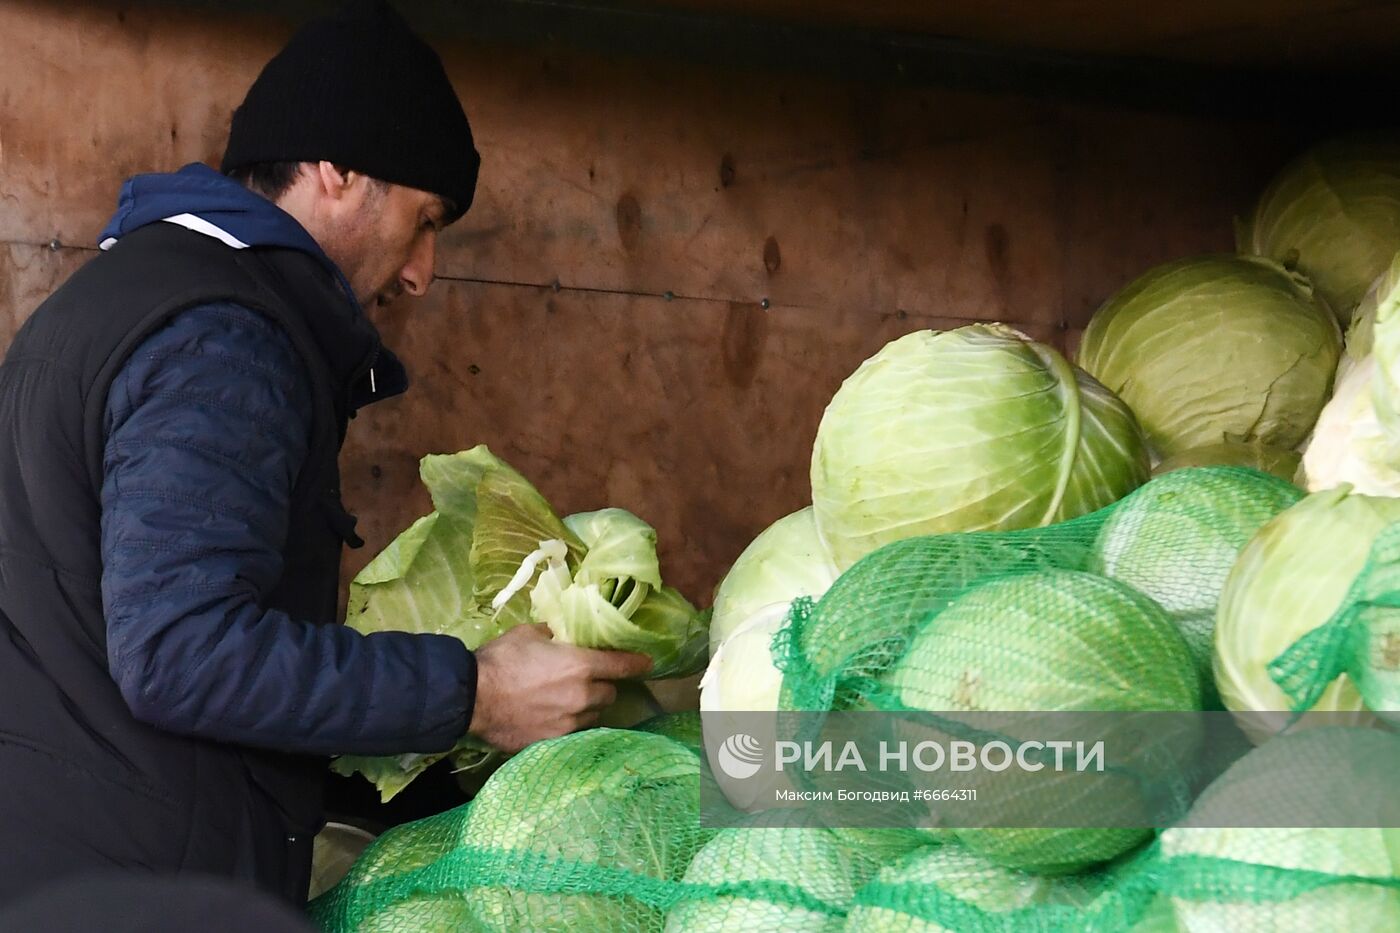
(559, 833)
(1326, 871)
(787, 560)
(1177, 537)
(1056, 640)
(798, 879)
(1291, 578)
(1334, 212)
(1216, 349)
(965, 430)
(940, 885)
(1357, 437)
(947, 888)
(743, 674)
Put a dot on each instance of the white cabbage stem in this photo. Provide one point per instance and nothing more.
(552, 549)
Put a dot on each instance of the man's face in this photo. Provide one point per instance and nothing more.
(385, 240)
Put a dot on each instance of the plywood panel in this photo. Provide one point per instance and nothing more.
(935, 202)
(91, 95)
(1311, 32)
(647, 177)
(28, 273)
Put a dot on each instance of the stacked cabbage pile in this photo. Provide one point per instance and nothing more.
(978, 428)
(1284, 599)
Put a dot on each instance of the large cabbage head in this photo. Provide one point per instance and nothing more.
(743, 674)
(1357, 437)
(1284, 840)
(787, 560)
(947, 888)
(575, 833)
(1052, 641)
(1177, 537)
(1334, 211)
(798, 879)
(942, 889)
(964, 430)
(1350, 444)
(1291, 578)
(1216, 349)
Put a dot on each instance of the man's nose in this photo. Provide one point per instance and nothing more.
(417, 274)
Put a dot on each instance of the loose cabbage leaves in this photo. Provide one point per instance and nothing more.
(492, 555)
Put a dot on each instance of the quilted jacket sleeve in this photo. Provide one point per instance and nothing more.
(207, 428)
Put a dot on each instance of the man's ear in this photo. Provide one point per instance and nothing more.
(333, 180)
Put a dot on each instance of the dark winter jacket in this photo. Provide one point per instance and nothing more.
(170, 533)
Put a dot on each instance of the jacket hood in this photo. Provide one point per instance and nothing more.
(200, 198)
(207, 202)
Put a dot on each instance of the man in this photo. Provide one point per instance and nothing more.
(170, 516)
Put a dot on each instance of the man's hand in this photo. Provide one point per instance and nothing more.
(530, 687)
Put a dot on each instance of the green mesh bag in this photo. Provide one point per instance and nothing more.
(600, 831)
(1174, 539)
(1334, 864)
(1361, 640)
(773, 873)
(1109, 612)
(832, 652)
(1227, 867)
(950, 888)
(1061, 641)
(368, 899)
(683, 726)
(586, 832)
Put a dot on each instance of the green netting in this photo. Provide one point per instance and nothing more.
(1362, 640)
(389, 865)
(684, 727)
(1331, 870)
(600, 832)
(773, 873)
(1174, 540)
(1212, 872)
(948, 887)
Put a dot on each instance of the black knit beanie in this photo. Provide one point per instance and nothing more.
(361, 90)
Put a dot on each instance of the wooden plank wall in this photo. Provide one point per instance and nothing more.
(600, 318)
(1274, 32)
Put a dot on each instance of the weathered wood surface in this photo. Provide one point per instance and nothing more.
(1314, 32)
(27, 274)
(858, 212)
(642, 177)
